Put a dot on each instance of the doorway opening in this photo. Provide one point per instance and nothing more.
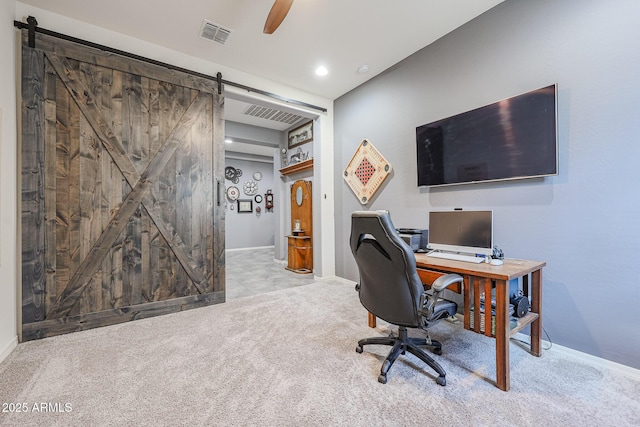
(255, 247)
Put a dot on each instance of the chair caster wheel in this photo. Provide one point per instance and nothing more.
(358, 349)
(437, 350)
(382, 379)
(441, 381)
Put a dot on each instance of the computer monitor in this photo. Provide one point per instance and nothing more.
(461, 231)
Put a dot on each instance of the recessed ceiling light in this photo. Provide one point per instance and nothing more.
(322, 71)
(228, 140)
(363, 69)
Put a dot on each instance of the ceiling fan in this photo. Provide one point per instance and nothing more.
(277, 14)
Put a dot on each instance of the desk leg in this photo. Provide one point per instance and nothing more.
(466, 291)
(502, 335)
(536, 307)
(372, 320)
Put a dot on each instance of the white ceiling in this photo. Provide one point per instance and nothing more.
(342, 35)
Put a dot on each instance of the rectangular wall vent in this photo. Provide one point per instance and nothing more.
(271, 114)
(214, 32)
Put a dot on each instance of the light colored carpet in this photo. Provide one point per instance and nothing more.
(287, 358)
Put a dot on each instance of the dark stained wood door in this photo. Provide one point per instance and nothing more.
(121, 164)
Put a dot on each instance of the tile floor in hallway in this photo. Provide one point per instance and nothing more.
(255, 271)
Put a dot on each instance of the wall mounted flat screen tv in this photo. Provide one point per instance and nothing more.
(509, 139)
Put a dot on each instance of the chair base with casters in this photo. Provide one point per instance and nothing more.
(433, 310)
(400, 345)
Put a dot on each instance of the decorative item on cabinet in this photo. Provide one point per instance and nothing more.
(299, 156)
(300, 135)
(297, 167)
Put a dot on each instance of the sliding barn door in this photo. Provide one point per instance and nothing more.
(121, 164)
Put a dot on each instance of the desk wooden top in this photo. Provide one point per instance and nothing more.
(511, 269)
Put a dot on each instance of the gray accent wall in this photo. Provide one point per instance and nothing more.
(584, 222)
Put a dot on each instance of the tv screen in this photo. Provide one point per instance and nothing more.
(461, 231)
(510, 139)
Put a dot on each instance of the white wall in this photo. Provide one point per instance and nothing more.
(8, 174)
(584, 222)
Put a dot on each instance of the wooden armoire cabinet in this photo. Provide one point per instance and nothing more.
(300, 241)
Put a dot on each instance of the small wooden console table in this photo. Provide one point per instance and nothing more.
(300, 258)
(478, 281)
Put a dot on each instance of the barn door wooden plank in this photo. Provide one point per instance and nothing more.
(115, 191)
(50, 182)
(150, 143)
(33, 214)
(132, 144)
(171, 100)
(63, 214)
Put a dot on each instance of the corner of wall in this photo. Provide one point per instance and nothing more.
(6, 351)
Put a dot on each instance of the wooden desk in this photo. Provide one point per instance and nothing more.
(478, 281)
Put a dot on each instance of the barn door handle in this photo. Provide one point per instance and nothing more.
(218, 190)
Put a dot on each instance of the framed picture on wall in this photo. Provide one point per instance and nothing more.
(301, 134)
(245, 206)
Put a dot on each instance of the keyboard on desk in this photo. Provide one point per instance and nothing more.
(456, 257)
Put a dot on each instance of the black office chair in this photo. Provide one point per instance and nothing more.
(390, 289)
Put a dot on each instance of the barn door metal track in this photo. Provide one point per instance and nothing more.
(32, 26)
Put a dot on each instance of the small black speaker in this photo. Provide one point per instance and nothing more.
(520, 306)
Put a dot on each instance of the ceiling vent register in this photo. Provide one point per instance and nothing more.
(214, 32)
(271, 114)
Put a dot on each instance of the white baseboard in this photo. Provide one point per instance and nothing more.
(595, 361)
(6, 351)
(335, 279)
(249, 249)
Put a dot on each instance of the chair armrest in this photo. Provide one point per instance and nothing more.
(445, 281)
(438, 286)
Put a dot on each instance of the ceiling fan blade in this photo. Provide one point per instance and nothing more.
(277, 14)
